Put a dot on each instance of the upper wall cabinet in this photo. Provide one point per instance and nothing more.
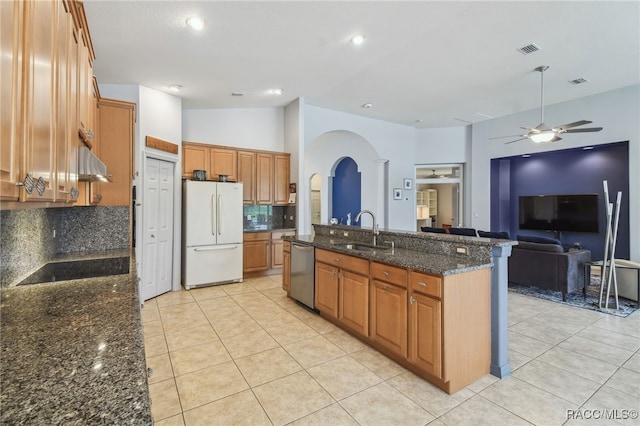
(44, 43)
(215, 160)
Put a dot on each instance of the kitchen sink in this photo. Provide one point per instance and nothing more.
(360, 246)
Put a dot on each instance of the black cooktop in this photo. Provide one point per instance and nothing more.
(78, 269)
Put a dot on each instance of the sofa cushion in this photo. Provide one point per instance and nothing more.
(535, 239)
(498, 235)
(551, 248)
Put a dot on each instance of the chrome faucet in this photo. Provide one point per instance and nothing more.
(374, 229)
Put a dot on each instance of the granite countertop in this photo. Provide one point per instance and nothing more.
(73, 353)
(432, 263)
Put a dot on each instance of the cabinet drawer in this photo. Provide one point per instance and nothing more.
(256, 236)
(426, 284)
(391, 274)
(343, 261)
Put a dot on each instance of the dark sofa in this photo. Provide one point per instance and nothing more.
(548, 266)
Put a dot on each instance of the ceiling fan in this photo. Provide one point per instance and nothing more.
(542, 133)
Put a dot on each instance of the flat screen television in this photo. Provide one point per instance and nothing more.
(569, 213)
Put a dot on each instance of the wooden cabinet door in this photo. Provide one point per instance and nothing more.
(247, 175)
(194, 157)
(389, 316)
(354, 302)
(277, 255)
(116, 120)
(11, 63)
(223, 162)
(286, 267)
(281, 179)
(255, 252)
(39, 78)
(425, 348)
(264, 178)
(327, 286)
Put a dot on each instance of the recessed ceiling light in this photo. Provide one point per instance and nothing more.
(587, 148)
(526, 155)
(195, 23)
(419, 120)
(175, 88)
(357, 39)
(275, 91)
(367, 105)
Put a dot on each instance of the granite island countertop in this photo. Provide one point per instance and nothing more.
(433, 263)
(73, 353)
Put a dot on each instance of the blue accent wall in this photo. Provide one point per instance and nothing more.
(571, 171)
(347, 186)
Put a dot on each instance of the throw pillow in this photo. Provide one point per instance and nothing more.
(498, 235)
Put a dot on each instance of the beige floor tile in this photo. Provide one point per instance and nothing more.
(343, 377)
(601, 351)
(384, 405)
(248, 344)
(198, 357)
(205, 293)
(378, 363)
(178, 339)
(633, 363)
(482, 383)
(292, 397)
(478, 411)
(629, 325)
(559, 382)
(539, 331)
(266, 366)
(237, 288)
(290, 331)
(152, 328)
(607, 398)
(319, 324)
(427, 395)
(210, 384)
(528, 402)
(174, 298)
(626, 381)
(160, 366)
(155, 345)
(273, 317)
(610, 337)
(164, 399)
(345, 341)
(150, 313)
(568, 319)
(266, 283)
(239, 409)
(333, 415)
(582, 365)
(313, 351)
(527, 345)
(185, 315)
(176, 420)
(235, 325)
(517, 360)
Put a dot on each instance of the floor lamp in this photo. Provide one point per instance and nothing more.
(609, 262)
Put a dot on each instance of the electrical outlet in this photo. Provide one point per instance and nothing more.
(54, 233)
(461, 250)
(331, 231)
(248, 217)
(345, 234)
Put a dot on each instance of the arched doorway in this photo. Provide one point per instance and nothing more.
(347, 192)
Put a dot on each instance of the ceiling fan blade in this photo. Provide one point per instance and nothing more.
(517, 140)
(588, 129)
(555, 139)
(574, 124)
(510, 136)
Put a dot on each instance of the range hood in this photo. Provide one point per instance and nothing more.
(90, 168)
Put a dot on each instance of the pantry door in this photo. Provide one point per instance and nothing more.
(157, 245)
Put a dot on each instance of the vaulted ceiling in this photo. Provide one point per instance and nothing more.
(423, 63)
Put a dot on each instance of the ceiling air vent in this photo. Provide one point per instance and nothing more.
(578, 81)
(530, 48)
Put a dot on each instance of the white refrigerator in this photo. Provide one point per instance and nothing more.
(211, 233)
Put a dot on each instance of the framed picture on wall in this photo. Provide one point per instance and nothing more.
(397, 193)
(408, 184)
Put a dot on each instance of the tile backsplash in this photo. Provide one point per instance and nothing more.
(27, 236)
(269, 217)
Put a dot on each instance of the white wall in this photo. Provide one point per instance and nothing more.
(616, 111)
(392, 142)
(442, 145)
(254, 128)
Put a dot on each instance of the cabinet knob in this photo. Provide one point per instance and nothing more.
(412, 300)
(386, 273)
(421, 284)
(337, 259)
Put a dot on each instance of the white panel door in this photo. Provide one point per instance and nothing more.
(157, 259)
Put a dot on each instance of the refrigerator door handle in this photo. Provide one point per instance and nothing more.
(216, 248)
(219, 214)
(213, 214)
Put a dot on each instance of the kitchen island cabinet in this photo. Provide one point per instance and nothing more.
(389, 307)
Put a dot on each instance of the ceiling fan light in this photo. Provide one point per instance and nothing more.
(542, 137)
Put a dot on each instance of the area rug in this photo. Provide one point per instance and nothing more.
(577, 298)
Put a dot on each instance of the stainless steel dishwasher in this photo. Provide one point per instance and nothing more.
(302, 274)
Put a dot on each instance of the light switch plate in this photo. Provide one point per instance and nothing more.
(462, 250)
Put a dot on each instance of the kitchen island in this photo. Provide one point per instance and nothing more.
(73, 353)
(424, 301)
